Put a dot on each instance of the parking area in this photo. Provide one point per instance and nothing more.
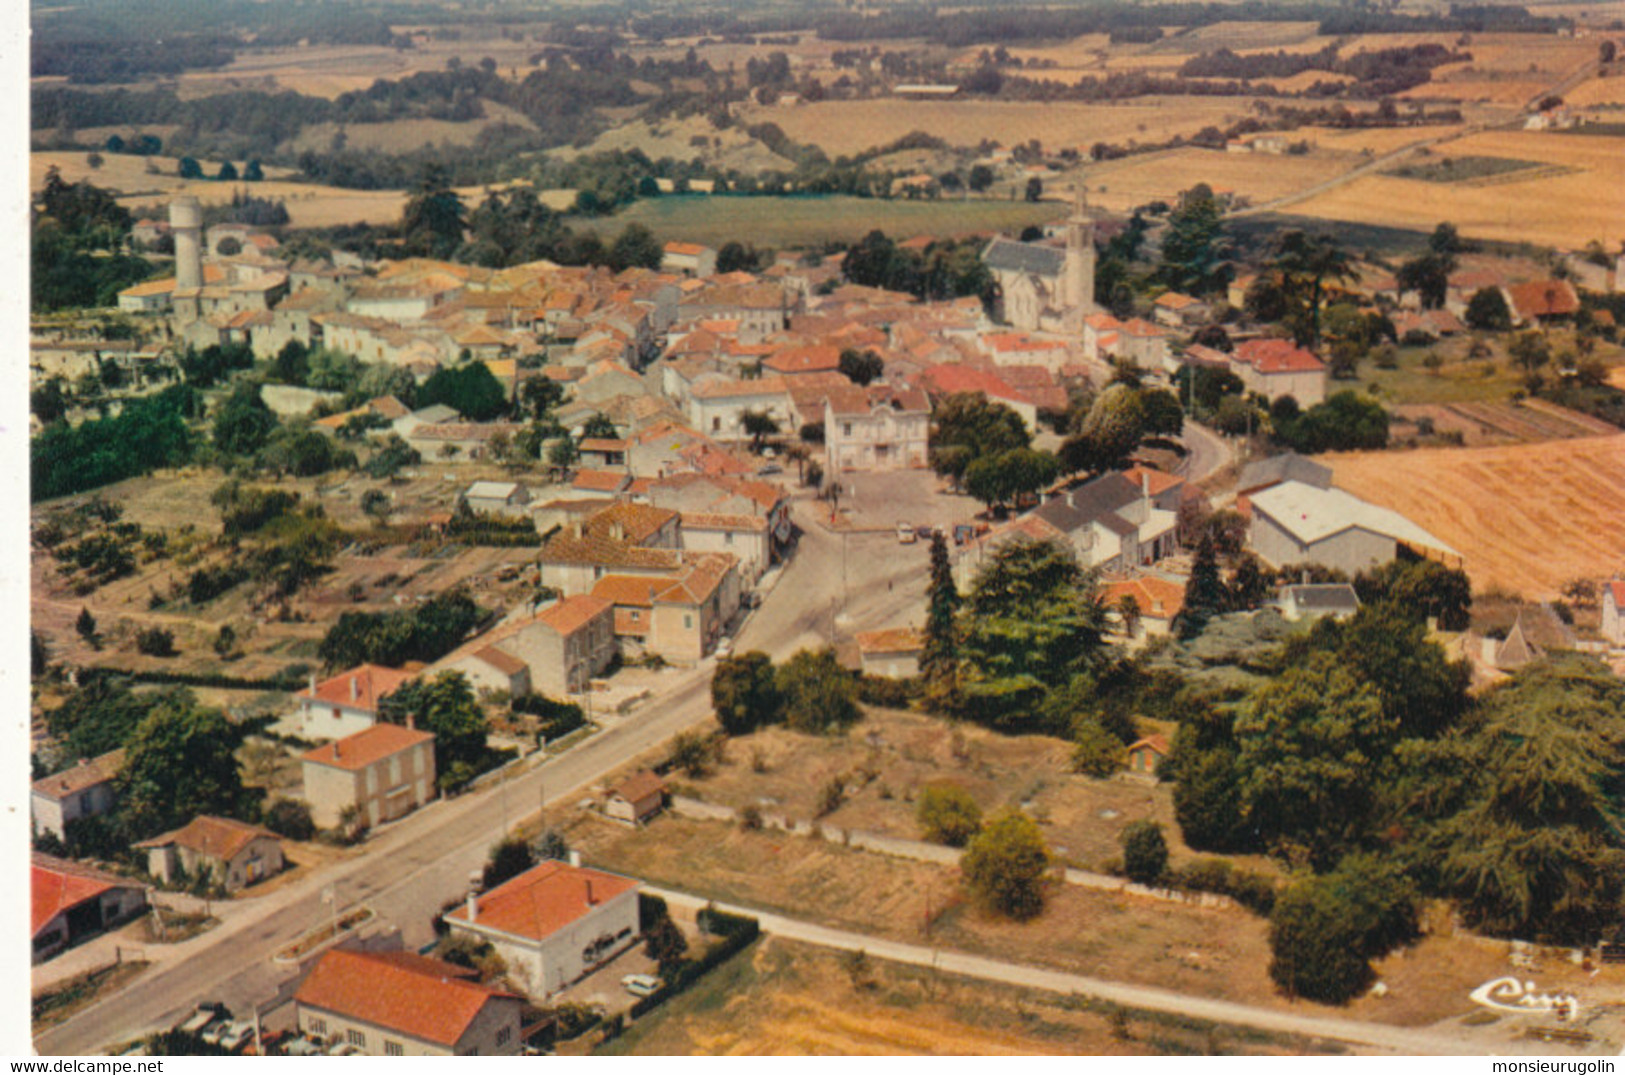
(916, 497)
(603, 986)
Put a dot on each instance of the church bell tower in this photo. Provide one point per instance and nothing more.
(1079, 288)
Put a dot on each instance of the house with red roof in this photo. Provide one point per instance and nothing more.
(1178, 311)
(79, 791)
(950, 379)
(876, 427)
(554, 923)
(404, 1004)
(69, 902)
(1142, 606)
(891, 654)
(1276, 367)
(1541, 302)
(688, 259)
(348, 702)
(1145, 755)
(637, 798)
(231, 853)
(384, 772)
(556, 650)
(678, 615)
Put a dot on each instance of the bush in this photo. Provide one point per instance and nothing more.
(1004, 866)
(1254, 891)
(1095, 751)
(947, 814)
(1145, 852)
(887, 693)
(156, 642)
(290, 818)
(830, 796)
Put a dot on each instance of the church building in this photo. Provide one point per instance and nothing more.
(1043, 287)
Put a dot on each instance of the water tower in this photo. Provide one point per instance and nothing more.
(186, 224)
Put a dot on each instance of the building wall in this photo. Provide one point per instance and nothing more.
(559, 665)
(884, 440)
(481, 1038)
(52, 815)
(891, 665)
(486, 677)
(1351, 551)
(753, 547)
(1613, 620)
(262, 857)
(115, 906)
(322, 720)
(389, 788)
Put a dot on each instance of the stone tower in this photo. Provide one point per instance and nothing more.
(1078, 287)
(186, 225)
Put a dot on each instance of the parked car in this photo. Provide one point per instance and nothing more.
(924, 532)
(963, 533)
(753, 599)
(237, 1035)
(302, 1047)
(640, 985)
(905, 534)
(205, 1014)
(216, 1031)
(725, 648)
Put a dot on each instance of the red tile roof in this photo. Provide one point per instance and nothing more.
(573, 613)
(1544, 298)
(895, 640)
(367, 746)
(629, 590)
(1277, 356)
(1617, 588)
(1158, 481)
(1156, 598)
(641, 785)
(603, 481)
(545, 899)
(1157, 743)
(57, 885)
(419, 997)
(212, 837)
(87, 773)
(370, 682)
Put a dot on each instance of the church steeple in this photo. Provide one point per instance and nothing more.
(1080, 254)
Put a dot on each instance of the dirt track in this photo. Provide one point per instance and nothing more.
(1527, 518)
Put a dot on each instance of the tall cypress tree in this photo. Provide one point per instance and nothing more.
(941, 652)
(1205, 593)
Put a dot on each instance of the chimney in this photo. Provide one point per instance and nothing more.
(411, 722)
(1145, 484)
(1071, 499)
(575, 859)
(473, 908)
(1306, 576)
(313, 684)
(355, 691)
(590, 901)
(338, 749)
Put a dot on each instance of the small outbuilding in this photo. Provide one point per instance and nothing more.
(637, 798)
(1146, 755)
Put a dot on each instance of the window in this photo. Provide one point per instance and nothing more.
(393, 1048)
(846, 429)
(728, 538)
(356, 1038)
(635, 615)
(504, 1034)
(315, 1025)
(688, 621)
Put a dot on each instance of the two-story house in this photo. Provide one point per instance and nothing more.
(876, 428)
(83, 790)
(384, 772)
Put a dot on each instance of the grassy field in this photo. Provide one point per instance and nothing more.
(1579, 197)
(846, 127)
(780, 997)
(1121, 185)
(1526, 518)
(809, 221)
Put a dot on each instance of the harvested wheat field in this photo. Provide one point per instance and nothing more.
(847, 127)
(1123, 184)
(1526, 518)
(1597, 91)
(1577, 192)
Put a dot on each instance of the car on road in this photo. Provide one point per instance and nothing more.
(215, 1032)
(725, 648)
(302, 1047)
(640, 985)
(905, 534)
(924, 532)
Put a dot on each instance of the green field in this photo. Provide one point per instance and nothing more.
(808, 221)
(1460, 169)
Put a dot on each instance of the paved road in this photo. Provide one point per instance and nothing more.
(413, 866)
(1206, 452)
(1444, 1041)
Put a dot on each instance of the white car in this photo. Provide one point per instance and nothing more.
(237, 1035)
(640, 985)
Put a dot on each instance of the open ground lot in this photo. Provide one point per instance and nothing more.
(812, 220)
(887, 759)
(1201, 951)
(1526, 518)
(780, 997)
(846, 127)
(1578, 194)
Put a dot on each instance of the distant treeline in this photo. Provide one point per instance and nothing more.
(1378, 73)
(965, 27)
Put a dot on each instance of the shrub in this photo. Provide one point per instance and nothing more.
(750, 818)
(156, 642)
(947, 814)
(1004, 866)
(1145, 852)
(1095, 751)
(290, 818)
(831, 795)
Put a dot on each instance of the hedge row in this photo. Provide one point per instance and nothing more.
(282, 682)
